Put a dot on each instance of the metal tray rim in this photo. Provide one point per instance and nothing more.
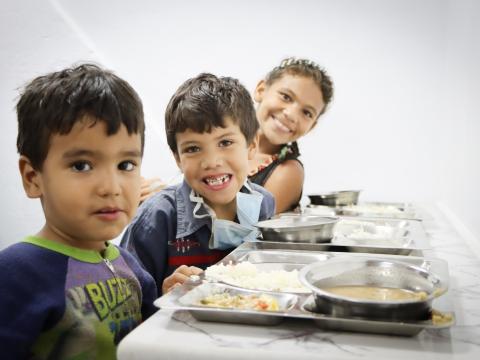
(410, 328)
(170, 302)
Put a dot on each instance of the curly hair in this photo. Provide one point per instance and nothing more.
(306, 68)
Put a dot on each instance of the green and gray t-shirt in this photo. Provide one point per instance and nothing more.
(63, 302)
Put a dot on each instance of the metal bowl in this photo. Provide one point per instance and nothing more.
(335, 198)
(300, 228)
(345, 271)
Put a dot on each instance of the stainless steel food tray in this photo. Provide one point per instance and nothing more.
(380, 210)
(288, 256)
(301, 306)
(412, 238)
(407, 236)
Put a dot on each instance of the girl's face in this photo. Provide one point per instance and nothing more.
(288, 108)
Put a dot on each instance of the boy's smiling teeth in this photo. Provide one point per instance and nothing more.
(217, 180)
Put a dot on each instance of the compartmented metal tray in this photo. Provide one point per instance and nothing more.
(387, 236)
(393, 210)
(302, 306)
(192, 298)
(409, 237)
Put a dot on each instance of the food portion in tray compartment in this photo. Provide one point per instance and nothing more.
(362, 288)
(239, 301)
(319, 210)
(442, 318)
(379, 209)
(435, 320)
(355, 232)
(374, 208)
(215, 297)
(376, 293)
(249, 276)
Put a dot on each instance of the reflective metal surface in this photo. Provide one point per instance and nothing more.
(335, 198)
(283, 255)
(373, 273)
(379, 210)
(232, 315)
(298, 228)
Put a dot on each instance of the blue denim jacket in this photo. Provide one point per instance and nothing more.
(164, 234)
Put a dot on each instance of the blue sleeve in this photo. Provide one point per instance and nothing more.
(32, 300)
(148, 235)
(149, 288)
(267, 209)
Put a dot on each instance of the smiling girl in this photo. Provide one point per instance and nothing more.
(290, 100)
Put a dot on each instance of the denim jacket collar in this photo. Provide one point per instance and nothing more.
(186, 223)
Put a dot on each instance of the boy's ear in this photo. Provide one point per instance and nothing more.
(30, 178)
(259, 90)
(253, 146)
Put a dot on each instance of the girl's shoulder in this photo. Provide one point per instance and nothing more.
(263, 162)
(289, 151)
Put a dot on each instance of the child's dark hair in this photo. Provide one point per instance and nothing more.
(203, 102)
(53, 103)
(307, 68)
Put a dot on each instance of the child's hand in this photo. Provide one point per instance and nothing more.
(179, 276)
(150, 187)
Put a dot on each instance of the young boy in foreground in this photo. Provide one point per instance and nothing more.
(67, 293)
(211, 129)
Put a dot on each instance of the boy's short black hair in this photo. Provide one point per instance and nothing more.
(53, 103)
(203, 102)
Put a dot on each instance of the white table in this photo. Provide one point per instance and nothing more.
(177, 335)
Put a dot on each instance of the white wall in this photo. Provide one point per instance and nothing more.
(402, 126)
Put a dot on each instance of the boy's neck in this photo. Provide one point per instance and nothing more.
(55, 236)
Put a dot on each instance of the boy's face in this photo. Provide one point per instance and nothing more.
(89, 184)
(288, 108)
(215, 164)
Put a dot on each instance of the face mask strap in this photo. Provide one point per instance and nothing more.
(199, 201)
(249, 188)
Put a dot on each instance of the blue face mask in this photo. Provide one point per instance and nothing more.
(225, 233)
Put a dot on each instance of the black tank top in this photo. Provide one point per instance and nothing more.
(287, 152)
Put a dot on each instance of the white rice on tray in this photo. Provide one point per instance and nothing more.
(246, 275)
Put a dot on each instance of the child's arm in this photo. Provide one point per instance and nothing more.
(267, 209)
(179, 276)
(32, 297)
(287, 176)
(147, 239)
(149, 187)
(149, 288)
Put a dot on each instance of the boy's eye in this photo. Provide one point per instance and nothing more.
(225, 143)
(127, 165)
(191, 149)
(81, 166)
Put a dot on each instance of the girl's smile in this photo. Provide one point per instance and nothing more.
(288, 108)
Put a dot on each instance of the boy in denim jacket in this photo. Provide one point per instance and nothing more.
(211, 129)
